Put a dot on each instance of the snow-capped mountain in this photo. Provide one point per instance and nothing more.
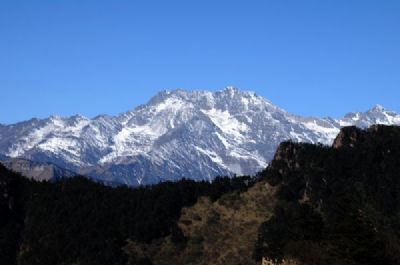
(193, 134)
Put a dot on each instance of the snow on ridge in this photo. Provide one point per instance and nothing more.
(228, 123)
(328, 134)
(212, 155)
(165, 135)
(170, 104)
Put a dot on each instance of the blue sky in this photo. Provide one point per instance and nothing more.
(89, 57)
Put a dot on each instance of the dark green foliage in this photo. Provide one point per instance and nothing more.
(12, 197)
(345, 200)
(177, 235)
(335, 206)
(213, 217)
(77, 221)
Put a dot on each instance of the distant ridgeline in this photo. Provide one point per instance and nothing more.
(313, 205)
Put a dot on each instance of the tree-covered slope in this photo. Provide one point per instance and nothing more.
(13, 190)
(313, 205)
(77, 221)
(338, 205)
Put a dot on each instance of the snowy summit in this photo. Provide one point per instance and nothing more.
(193, 134)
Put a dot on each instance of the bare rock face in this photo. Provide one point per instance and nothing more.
(37, 171)
(348, 137)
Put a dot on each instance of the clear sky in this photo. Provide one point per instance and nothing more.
(91, 56)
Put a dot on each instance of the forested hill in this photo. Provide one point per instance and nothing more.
(338, 205)
(314, 204)
(14, 191)
(77, 221)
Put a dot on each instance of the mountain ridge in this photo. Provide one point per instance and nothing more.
(179, 133)
(313, 204)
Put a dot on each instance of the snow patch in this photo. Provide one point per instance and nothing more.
(228, 123)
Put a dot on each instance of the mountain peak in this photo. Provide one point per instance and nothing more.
(231, 89)
(55, 117)
(378, 108)
(196, 133)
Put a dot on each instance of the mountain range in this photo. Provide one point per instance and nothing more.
(192, 134)
(313, 204)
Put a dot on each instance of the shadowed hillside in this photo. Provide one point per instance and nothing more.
(77, 221)
(338, 205)
(314, 204)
